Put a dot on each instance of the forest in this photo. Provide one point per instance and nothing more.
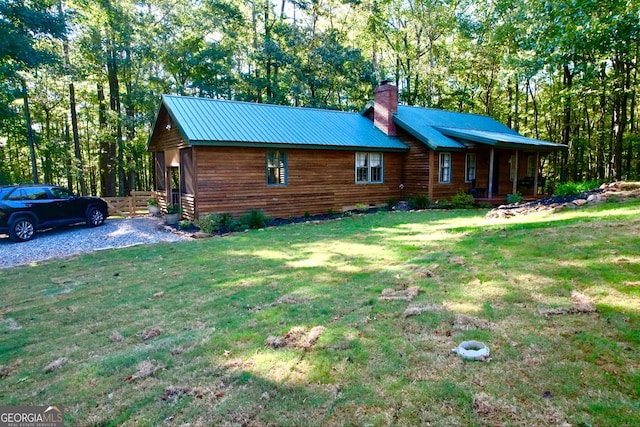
(81, 80)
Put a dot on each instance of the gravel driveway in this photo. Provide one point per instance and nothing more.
(77, 239)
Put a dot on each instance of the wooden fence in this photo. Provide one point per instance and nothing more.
(135, 204)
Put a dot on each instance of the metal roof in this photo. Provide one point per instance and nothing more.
(499, 139)
(447, 130)
(205, 121)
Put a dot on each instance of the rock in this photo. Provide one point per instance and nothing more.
(580, 202)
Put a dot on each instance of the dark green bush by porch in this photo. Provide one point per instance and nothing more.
(515, 198)
(573, 188)
(255, 219)
(463, 201)
(419, 202)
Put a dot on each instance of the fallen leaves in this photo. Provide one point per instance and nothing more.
(151, 333)
(297, 337)
(145, 369)
(56, 364)
(582, 304)
(399, 295)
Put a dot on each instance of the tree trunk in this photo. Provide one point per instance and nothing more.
(30, 137)
(107, 170)
(116, 150)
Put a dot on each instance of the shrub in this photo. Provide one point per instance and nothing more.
(306, 215)
(184, 224)
(173, 209)
(419, 202)
(462, 201)
(391, 203)
(152, 202)
(255, 219)
(361, 207)
(514, 198)
(213, 223)
(573, 188)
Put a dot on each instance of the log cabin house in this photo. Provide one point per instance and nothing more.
(227, 156)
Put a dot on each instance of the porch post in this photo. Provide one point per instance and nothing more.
(515, 177)
(490, 190)
(535, 174)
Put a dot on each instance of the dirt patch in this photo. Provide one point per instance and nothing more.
(175, 393)
(582, 304)
(145, 369)
(56, 364)
(422, 271)
(116, 337)
(416, 309)
(492, 412)
(297, 337)
(150, 333)
(292, 299)
(462, 322)
(399, 295)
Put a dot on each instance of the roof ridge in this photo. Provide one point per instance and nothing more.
(257, 104)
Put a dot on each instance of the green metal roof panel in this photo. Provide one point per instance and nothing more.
(417, 116)
(429, 136)
(205, 121)
(500, 139)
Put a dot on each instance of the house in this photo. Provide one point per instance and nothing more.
(227, 156)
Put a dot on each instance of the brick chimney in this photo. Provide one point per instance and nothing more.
(385, 105)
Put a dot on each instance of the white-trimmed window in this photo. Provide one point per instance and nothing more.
(444, 172)
(512, 168)
(276, 167)
(369, 168)
(470, 167)
(531, 166)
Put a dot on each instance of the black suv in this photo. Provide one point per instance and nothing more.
(27, 208)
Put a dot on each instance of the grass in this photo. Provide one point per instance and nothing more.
(216, 303)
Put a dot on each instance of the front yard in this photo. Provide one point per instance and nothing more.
(289, 325)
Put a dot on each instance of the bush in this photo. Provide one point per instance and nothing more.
(213, 223)
(255, 219)
(463, 201)
(391, 203)
(573, 188)
(419, 202)
(514, 198)
(361, 207)
(184, 224)
(173, 209)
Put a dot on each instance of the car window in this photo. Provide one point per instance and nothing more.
(61, 193)
(4, 191)
(35, 193)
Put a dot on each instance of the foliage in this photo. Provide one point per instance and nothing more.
(184, 224)
(361, 207)
(419, 202)
(221, 300)
(514, 198)
(463, 201)
(569, 76)
(255, 219)
(173, 209)
(573, 188)
(152, 201)
(217, 223)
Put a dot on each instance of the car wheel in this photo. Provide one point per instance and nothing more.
(22, 230)
(95, 217)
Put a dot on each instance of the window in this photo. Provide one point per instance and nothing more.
(369, 168)
(29, 193)
(444, 175)
(61, 193)
(470, 168)
(276, 167)
(531, 166)
(512, 168)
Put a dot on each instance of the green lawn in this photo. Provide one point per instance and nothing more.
(231, 323)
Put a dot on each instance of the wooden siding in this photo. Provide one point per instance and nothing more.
(233, 180)
(415, 173)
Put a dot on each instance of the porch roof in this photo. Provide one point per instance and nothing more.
(447, 130)
(205, 121)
